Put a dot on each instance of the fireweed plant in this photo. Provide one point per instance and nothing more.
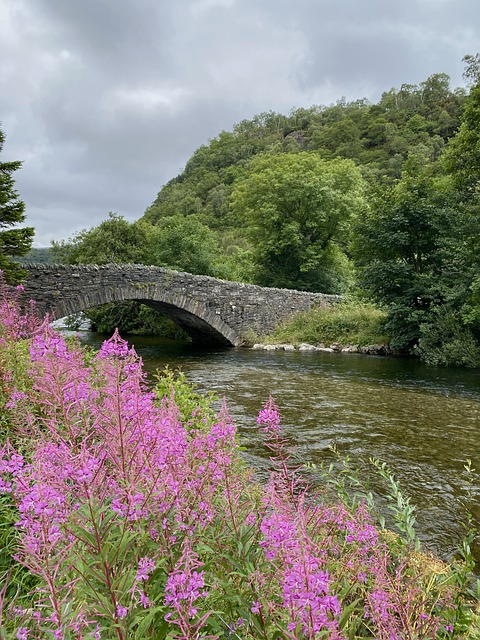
(135, 517)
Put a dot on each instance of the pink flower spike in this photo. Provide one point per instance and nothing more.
(270, 417)
(115, 346)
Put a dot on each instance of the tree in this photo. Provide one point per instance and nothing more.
(183, 243)
(114, 240)
(17, 241)
(472, 69)
(399, 250)
(297, 208)
(417, 251)
(462, 157)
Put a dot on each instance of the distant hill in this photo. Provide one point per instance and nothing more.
(40, 255)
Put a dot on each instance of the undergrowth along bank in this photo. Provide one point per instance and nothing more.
(130, 514)
(344, 323)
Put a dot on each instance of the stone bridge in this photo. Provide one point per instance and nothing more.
(209, 310)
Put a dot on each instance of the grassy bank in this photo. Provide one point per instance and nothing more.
(347, 323)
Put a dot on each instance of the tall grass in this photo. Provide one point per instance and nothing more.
(346, 323)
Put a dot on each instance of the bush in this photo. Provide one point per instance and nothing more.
(444, 340)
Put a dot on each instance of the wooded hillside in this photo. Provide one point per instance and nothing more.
(378, 201)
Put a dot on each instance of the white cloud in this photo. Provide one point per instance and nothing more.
(149, 97)
(202, 6)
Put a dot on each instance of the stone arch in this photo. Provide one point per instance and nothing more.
(203, 325)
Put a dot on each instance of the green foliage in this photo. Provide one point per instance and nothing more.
(462, 158)
(397, 247)
(13, 242)
(114, 240)
(41, 255)
(173, 388)
(350, 483)
(235, 261)
(347, 323)
(17, 581)
(400, 506)
(132, 317)
(417, 252)
(472, 69)
(296, 206)
(445, 340)
(183, 243)
(14, 358)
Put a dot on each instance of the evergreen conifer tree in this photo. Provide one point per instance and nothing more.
(16, 241)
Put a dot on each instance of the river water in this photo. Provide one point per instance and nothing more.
(424, 422)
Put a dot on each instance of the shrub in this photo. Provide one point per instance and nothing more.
(444, 340)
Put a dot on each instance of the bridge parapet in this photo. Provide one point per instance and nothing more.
(209, 309)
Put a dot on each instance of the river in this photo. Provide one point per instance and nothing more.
(424, 422)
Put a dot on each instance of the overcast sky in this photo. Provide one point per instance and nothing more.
(105, 100)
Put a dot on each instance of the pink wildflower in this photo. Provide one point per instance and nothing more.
(115, 346)
(183, 588)
(144, 601)
(255, 608)
(145, 567)
(305, 595)
(270, 417)
(48, 343)
(121, 611)
(15, 397)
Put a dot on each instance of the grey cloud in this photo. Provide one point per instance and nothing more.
(127, 39)
(380, 45)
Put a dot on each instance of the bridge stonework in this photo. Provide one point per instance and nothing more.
(209, 310)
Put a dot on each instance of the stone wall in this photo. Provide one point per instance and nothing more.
(210, 310)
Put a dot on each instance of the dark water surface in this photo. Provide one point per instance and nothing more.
(424, 422)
